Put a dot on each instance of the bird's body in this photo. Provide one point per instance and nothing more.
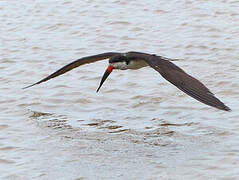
(137, 60)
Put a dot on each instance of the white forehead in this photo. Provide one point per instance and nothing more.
(119, 65)
(132, 65)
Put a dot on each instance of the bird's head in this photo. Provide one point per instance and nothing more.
(119, 62)
(116, 62)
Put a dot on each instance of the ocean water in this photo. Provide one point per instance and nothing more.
(138, 126)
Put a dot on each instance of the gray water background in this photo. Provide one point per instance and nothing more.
(138, 126)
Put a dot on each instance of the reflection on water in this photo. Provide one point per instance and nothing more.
(138, 126)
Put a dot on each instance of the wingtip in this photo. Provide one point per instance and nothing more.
(226, 108)
(223, 107)
(29, 86)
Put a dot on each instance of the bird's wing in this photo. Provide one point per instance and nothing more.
(75, 64)
(184, 81)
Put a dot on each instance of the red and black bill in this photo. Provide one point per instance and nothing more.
(106, 74)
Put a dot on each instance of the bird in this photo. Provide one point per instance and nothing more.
(136, 60)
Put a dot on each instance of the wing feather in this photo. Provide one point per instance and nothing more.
(75, 64)
(185, 82)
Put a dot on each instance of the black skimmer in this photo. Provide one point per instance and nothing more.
(137, 60)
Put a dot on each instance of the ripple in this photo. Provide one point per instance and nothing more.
(4, 161)
(53, 132)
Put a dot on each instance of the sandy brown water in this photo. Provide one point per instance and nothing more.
(138, 126)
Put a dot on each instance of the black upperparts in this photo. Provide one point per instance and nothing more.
(121, 58)
(118, 58)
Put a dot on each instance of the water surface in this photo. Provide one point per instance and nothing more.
(138, 126)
